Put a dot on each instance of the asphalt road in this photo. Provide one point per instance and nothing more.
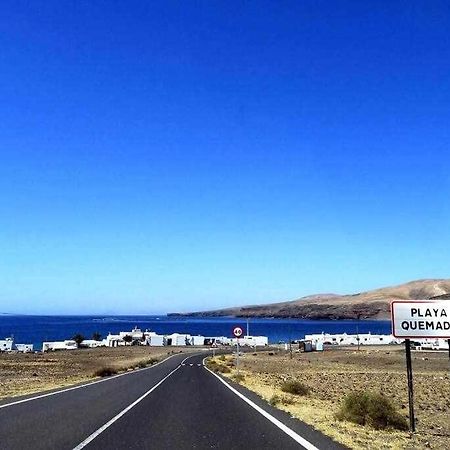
(174, 405)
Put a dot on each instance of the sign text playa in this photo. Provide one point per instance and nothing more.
(421, 319)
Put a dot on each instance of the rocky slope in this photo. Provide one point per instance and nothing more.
(373, 304)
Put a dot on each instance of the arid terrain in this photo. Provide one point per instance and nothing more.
(333, 374)
(329, 375)
(28, 373)
(374, 304)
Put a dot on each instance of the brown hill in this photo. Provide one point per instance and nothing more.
(366, 305)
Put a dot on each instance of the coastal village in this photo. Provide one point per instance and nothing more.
(136, 337)
(311, 342)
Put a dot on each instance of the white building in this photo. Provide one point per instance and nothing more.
(221, 340)
(113, 340)
(155, 340)
(24, 348)
(6, 344)
(136, 334)
(251, 341)
(177, 339)
(430, 344)
(92, 343)
(352, 339)
(197, 340)
(59, 345)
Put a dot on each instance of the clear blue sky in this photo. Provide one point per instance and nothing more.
(173, 156)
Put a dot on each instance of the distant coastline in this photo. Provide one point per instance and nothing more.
(315, 316)
(369, 305)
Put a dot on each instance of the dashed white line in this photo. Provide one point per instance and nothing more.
(91, 437)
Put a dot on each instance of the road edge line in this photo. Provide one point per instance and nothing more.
(291, 433)
(90, 383)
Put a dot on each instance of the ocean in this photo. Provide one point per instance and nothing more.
(36, 329)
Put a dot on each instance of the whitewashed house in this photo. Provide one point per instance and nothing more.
(223, 340)
(177, 339)
(113, 340)
(430, 344)
(59, 345)
(197, 340)
(92, 343)
(6, 345)
(352, 339)
(251, 341)
(155, 340)
(136, 334)
(24, 348)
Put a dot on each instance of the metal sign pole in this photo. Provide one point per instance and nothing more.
(237, 355)
(448, 342)
(412, 424)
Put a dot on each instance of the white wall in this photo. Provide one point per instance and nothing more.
(6, 345)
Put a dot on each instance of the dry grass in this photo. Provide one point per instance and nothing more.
(29, 373)
(333, 374)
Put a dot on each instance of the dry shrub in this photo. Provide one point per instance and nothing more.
(295, 387)
(223, 369)
(146, 362)
(238, 377)
(287, 400)
(375, 410)
(217, 368)
(274, 400)
(105, 372)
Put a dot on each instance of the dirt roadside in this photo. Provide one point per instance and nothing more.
(332, 374)
(22, 374)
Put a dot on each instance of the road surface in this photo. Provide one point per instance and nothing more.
(177, 404)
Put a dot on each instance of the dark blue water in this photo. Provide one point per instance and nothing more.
(36, 329)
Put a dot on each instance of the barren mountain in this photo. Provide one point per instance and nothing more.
(366, 305)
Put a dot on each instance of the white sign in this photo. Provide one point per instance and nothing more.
(421, 319)
(237, 331)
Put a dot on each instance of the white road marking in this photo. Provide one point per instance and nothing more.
(37, 397)
(122, 413)
(191, 365)
(291, 433)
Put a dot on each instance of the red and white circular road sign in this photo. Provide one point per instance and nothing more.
(237, 331)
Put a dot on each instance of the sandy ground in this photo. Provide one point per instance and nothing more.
(28, 373)
(334, 373)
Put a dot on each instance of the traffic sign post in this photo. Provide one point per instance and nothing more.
(419, 319)
(237, 332)
(409, 376)
(237, 355)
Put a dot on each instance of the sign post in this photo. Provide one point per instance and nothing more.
(409, 375)
(419, 319)
(237, 332)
